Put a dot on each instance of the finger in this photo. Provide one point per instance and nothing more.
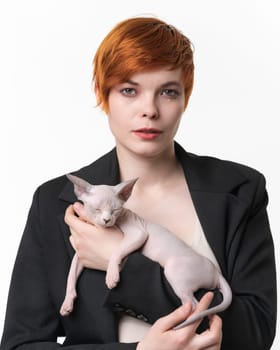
(202, 305)
(193, 321)
(69, 211)
(213, 335)
(204, 302)
(216, 325)
(73, 221)
(69, 214)
(171, 320)
(80, 210)
(215, 322)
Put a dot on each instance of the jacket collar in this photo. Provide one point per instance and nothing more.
(208, 174)
(104, 170)
(199, 172)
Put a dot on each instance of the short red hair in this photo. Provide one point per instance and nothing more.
(140, 44)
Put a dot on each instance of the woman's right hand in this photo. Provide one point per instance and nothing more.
(93, 245)
(162, 335)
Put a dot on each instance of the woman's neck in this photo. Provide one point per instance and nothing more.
(150, 170)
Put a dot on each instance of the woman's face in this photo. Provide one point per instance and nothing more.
(145, 111)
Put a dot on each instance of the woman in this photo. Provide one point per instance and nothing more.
(143, 76)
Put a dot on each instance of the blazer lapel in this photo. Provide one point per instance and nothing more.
(91, 287)
(219, 215)
(105, 170)
(212, 188)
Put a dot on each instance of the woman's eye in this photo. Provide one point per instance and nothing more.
(170, 93)
(128, 92)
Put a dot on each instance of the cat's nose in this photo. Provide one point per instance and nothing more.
(106, 221)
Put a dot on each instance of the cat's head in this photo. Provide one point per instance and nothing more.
(103, 203)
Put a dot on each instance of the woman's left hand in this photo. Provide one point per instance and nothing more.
(93, 245)
(162, 334)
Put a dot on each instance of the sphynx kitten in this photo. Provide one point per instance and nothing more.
(185, 270)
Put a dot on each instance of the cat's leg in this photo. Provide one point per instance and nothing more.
(131, 242)
(71, 293)
(181, 277)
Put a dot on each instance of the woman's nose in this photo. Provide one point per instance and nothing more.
(150, 115)
(149, 109)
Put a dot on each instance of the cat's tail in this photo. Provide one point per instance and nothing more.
(225, 290)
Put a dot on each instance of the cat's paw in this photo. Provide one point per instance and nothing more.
(67, 305)
(66, 308)
(112, 277)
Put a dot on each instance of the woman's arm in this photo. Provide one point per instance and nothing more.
(143, 290)
(142, 283)
(32, 322)
(250, 321)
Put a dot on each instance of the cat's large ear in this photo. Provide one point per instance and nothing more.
(125, 188)
(81, 186)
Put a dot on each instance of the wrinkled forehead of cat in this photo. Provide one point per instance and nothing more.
(84, 190)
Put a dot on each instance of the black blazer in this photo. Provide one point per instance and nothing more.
(230, 200)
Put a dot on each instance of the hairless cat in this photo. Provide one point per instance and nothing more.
(186, 270)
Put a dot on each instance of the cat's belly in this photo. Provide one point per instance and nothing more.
(162, 244)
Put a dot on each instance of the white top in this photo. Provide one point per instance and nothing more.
(133, 330)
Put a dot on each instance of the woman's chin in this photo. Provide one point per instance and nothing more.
(149, 149)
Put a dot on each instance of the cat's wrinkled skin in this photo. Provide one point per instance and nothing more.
(186, 270)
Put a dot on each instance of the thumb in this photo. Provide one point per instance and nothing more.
(174, 318)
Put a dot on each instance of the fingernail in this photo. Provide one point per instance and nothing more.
(77, 205)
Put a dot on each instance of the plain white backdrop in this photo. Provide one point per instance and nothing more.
(49, 123)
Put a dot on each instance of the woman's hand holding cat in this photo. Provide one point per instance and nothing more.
(93, 245)
(162, 336)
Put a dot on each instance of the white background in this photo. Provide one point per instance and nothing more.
(49, 125)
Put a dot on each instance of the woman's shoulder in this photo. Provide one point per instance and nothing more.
(212, 174)
(225, 166)
(215, 166)
(102, 170)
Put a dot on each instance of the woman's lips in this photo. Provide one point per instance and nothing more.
(147, 133)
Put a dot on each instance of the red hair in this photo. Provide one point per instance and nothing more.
(140, 44)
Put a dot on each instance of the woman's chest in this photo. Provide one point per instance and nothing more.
(173, 211)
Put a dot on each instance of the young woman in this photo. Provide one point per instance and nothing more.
(143, 76)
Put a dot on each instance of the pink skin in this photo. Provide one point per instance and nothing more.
(145, 112)
(186, 270)
(161, 335)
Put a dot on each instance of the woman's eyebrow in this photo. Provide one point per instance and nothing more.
(172, 83)
(168, 83)
(131, 82)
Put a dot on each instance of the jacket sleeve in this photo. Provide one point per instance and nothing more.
(249, 323)
(31, 320)
(143, 290)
